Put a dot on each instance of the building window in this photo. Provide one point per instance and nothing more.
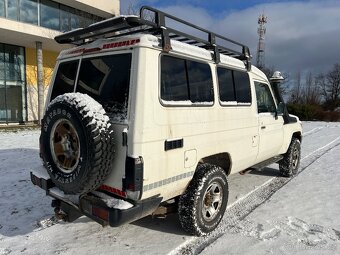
(12, 84)
(12, 9)
(29, 11)
(49, 15)
(52, 14)
(65, 18)
(2, 8)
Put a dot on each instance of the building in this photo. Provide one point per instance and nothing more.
(27, 29)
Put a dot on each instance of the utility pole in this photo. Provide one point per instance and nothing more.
(260, 60)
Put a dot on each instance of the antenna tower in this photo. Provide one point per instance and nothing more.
(260, 61)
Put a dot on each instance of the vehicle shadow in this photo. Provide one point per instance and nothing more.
(170, 224)
(266, 171)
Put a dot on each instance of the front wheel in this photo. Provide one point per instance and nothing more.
(202, 205)
(289, 165)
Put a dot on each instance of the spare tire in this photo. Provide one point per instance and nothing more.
(76, 143)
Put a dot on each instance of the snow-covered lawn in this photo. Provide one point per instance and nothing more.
(266, 213)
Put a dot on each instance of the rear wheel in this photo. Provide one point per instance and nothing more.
(289, 165)
(203, 204)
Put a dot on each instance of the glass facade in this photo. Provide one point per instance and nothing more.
(2, 8)
(12, 84)
(29, 11)
(49, 14)
(46, 13)
(12, 9)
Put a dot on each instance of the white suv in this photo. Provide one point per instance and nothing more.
(140, 113)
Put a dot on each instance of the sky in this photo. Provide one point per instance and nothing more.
(300, 35)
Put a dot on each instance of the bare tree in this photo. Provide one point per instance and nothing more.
(296, 91)
(133, 8)
(311, 91)
(329, 85)
(333, 85)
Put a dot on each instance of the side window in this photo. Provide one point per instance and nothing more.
(200, 82)
(265, 101)
(106, 79)
(65, 78)
(226, 85)
(185, 81)
(242, 87)
(234, 86)
(174, 85)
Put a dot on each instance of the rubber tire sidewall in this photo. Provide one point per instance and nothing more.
(208, 226)
(190, 202)
(68, 182)
(286, 164)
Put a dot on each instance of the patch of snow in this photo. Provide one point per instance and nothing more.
(185, 103)
(41, 172)
(59, 193)
(112, 202)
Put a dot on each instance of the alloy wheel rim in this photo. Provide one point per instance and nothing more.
(295, 157)
(212, 201)
(65, 146)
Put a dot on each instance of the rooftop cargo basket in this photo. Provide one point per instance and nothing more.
(156, 22)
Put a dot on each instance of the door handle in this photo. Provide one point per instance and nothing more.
(263, 127)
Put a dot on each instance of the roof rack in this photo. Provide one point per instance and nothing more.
(125, 25)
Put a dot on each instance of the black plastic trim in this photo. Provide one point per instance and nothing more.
(134, 171)
(117, 217)
(143, 208)
(173, 144)
(41, 182)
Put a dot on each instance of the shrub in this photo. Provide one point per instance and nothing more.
(313, 112)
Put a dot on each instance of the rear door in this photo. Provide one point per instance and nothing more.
(270, 125)
(106, 78)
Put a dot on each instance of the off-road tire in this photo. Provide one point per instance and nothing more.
(82, 122)
(289, 165)
(194, 218)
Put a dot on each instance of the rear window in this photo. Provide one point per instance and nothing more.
(65, 78)
(106, 79)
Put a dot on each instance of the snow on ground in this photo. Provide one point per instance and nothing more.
(301, 217)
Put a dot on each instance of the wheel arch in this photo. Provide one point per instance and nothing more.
(222, 160)
(298, 136)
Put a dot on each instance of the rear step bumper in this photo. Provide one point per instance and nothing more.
(94, 207)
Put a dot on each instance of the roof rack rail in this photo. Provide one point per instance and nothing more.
(125, 25)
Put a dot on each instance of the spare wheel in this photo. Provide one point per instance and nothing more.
(76, 143)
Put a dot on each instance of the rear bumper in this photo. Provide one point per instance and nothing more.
(94, 207)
